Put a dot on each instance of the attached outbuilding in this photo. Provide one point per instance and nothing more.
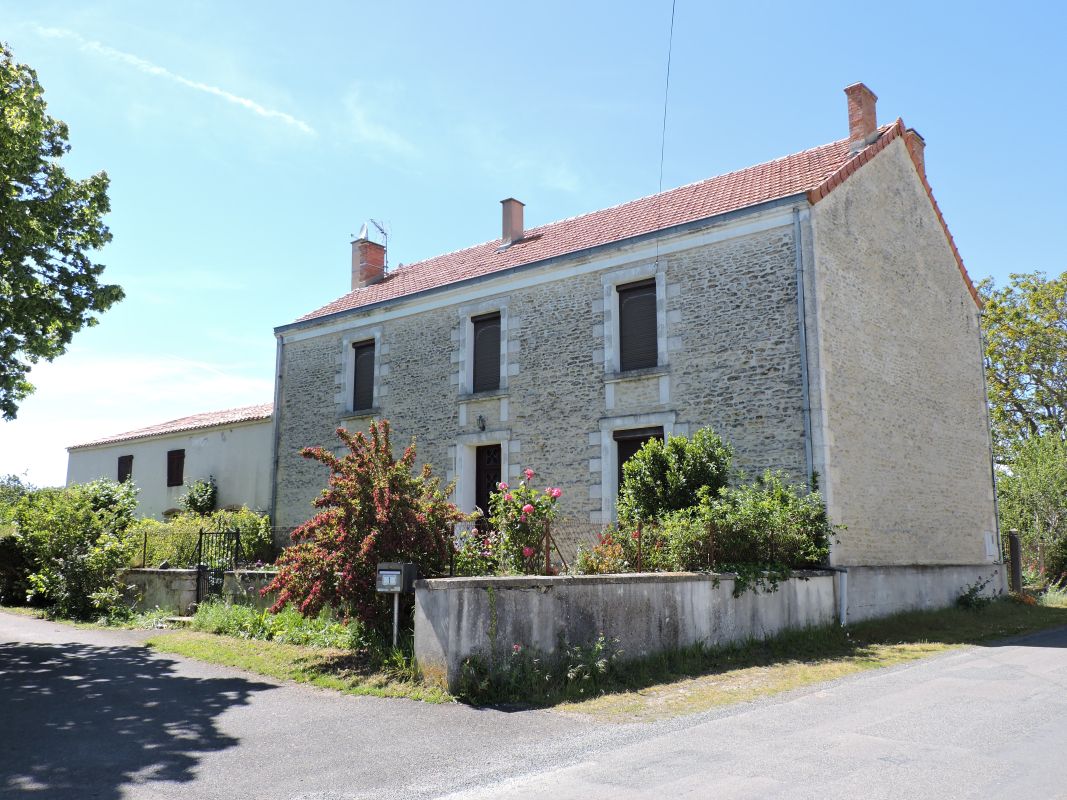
(231, 446)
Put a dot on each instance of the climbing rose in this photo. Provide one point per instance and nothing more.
(527, 509)
(502, 486)
(529, 473)
(527, 551)
(556, 492)
(508, 497)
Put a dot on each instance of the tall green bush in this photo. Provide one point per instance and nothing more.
(77, 541)
(666, 476)
(201, 496)
(769, 522)
(1032, 497)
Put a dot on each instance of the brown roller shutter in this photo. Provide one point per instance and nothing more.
(638, 347)
(363, 384)
(486, 352)
(175, 467)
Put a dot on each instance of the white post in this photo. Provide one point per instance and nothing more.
(396, 616)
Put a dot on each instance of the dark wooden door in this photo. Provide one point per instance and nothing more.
(487, 474)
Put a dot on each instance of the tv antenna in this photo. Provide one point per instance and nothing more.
(363, 234)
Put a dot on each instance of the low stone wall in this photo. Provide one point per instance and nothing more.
(881, 591)
(243, 586)
(647, 613)
(169, 589)
(175, 589)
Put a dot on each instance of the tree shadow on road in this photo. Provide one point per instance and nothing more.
(80, 721)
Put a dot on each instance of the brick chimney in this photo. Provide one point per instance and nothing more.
(917, 147)
(368, 262)
(862, 119)
(512, 228)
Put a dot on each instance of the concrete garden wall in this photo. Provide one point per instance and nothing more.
(647, 613)
(175, 589)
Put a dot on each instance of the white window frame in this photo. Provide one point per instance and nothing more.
(609, 452)
(348, 357)
(611, 282)
(467, 313)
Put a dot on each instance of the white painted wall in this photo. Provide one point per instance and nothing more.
(238, 456)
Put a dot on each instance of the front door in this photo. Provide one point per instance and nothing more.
(486, 474)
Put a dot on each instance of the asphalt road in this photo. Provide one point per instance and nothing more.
(93, 714)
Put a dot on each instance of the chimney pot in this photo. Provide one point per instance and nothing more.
(512, 227)
(917, 147)
(368, 262)
(862, 117)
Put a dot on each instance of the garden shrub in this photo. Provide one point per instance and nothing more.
(200, 497)
(770, 522)
(14, 564)
(375, 508)
(77, 541)
(666, 476)
(15, 569)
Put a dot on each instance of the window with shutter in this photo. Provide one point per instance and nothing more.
(486, 367)
(175, 467)
(638, 347)
(630, 441)
(363, 382)
(125, 468)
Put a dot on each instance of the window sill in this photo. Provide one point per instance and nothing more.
(361, 413)
(636, 374)
(488, 394)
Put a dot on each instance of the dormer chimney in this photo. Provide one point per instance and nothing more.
(368, 261)
(862, 119)
(512, 228)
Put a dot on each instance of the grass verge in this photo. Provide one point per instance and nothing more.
(351, 672)
(699, 679)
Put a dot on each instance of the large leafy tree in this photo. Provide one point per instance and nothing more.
(49, 286)
(1025, 330)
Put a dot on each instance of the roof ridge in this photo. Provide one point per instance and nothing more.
(225, 416)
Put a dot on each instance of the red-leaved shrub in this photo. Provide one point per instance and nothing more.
(375, 508)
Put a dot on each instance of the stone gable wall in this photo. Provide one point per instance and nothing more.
(903, 439)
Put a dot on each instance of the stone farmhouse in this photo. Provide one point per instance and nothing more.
(812, 309)
(233, 446)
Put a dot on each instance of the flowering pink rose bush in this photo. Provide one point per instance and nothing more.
(521, 514)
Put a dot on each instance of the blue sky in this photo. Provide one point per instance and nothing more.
(246, 142)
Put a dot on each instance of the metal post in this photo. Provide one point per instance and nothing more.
(640, 552)
(1015, 556)
(144, 551)
(548, 552)
(396, 617)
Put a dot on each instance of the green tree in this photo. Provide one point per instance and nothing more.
(1025, 329)
(49, 287)
(1033, 495)
(666, 476)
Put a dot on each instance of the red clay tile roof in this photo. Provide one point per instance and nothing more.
(210, 419)
(772, 180)
(812, 172)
